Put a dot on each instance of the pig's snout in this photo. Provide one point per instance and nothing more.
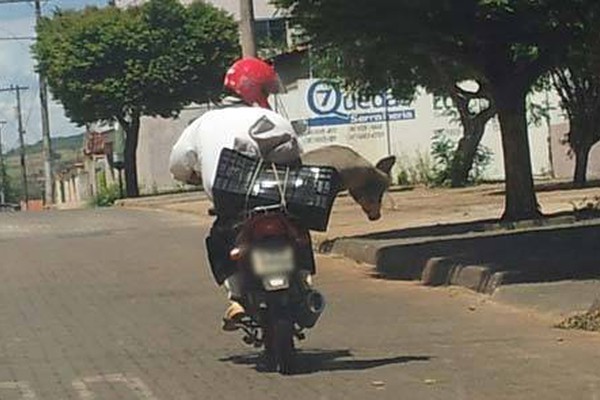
(374, 217)
(373, 211)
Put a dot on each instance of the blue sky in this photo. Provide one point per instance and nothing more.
(16, 67)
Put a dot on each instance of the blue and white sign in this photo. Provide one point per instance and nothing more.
(330, 106)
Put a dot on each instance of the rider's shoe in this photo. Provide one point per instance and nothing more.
(234, 314)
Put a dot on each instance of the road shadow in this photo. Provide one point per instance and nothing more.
(315, 361)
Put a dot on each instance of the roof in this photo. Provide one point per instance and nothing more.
(98, 143)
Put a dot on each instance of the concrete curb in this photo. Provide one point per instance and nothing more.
(437, 271)
(474, 277)
(511, 256)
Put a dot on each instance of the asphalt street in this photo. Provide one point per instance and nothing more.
(119, 304)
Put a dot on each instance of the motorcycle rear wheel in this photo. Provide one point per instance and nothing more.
(279, 346)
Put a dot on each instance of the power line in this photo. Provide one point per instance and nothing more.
(17, 38)
(30, 109)
(15, 1)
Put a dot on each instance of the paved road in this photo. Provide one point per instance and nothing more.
(117, 304)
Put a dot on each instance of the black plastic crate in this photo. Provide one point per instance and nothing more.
(240, 186)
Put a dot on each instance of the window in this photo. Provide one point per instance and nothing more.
(271, 33)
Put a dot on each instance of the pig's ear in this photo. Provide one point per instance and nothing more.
(385, 165)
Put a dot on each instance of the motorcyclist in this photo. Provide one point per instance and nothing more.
(247, 85)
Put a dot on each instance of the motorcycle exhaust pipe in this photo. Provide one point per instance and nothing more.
(315, 302)
(314, 305)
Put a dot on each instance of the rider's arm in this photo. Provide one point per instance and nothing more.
(184, 162)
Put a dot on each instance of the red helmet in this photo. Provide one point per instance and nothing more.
(253, 80)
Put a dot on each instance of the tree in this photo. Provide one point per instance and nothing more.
(577, 81)
(508, 44)
(579, 90)
(6, 187)
(118, 65)
(472, 120)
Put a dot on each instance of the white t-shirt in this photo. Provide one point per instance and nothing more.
(198, 149)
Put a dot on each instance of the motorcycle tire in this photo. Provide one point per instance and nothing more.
(279, 346)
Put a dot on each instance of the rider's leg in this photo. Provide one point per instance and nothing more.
(235, 312)
(219, 243)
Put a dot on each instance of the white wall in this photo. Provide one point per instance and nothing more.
(157, 137)
(408, 137)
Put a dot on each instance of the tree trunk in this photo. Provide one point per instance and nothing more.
(462, 160)
(521, 202)
(131, 142)
(581, 165)
(473, 129)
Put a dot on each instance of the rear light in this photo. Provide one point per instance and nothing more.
(269, 226)
(235, 254)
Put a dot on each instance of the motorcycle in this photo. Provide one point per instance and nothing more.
(272, 209)
(274, 258)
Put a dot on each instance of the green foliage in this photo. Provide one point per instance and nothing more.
(106, 196)
(403, 41)
(107, 63)
(443, 152)
(11, 194)
(268, 48)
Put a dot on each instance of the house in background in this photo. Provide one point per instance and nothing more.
(81, 181)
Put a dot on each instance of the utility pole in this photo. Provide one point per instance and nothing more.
(2, 169)
(247, 28)
(18, 90)
(46, 141)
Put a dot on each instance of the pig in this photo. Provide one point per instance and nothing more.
(366, 182)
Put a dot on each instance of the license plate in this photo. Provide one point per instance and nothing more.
(272, 261)
(276, 282)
